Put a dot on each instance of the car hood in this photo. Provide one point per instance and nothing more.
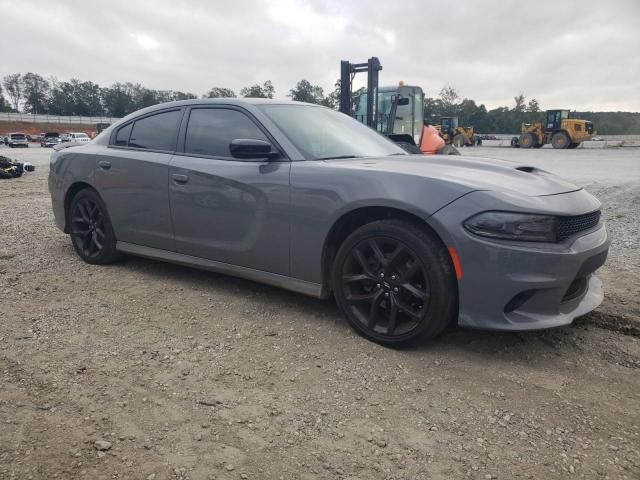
(473, 172)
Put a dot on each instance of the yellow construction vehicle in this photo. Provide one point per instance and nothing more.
(560, 131)
(454, 134)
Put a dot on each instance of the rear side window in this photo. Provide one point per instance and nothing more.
(156, 132)
(122, 137)
(211, 130)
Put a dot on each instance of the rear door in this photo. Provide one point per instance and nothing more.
(132, 177)
(224, 209)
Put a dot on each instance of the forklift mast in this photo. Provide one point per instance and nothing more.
(348, 71)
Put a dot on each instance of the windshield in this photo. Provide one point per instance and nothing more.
(81, 135)
(17, 136)
(320, 133)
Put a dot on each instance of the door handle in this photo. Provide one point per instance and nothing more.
(180, 178)
(103, 164)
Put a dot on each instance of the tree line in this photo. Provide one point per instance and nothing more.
(33, 93)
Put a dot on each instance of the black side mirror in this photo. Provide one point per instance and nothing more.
(403, 101)
(251, 149)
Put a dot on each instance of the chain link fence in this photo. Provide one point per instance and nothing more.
(31, 118)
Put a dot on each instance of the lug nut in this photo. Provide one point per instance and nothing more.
(381, 274)
(377, 285)
(395, 289)
(386, 294)
(393, 277)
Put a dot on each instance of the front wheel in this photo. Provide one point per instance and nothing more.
(90, 227)
(394, 283)
(528, 140)
(459, 140)
(560, 140)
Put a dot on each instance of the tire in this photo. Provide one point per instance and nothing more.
(560, 140)
(459, 140)
(527, 140)
(90, 228)
(515, 142)
(394, 283)
(574, 145)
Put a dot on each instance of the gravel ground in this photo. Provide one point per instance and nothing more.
(144, 370)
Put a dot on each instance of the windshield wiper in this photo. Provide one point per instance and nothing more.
(339, 157)
(394, 154)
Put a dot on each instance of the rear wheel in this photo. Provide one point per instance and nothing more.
(528, 140)
(560, 140)
(394, 283)
(91, 231)
(515, 142)
(459, 140)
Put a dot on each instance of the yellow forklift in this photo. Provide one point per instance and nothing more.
(560, 131)
(394, 111)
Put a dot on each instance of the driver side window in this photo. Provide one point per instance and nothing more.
(211, 130)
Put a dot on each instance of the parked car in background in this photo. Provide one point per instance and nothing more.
(306, 198)
(16, 140)
(65, 137)
(50, 139)
(79, 137)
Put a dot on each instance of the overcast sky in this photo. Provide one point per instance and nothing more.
(583, 55)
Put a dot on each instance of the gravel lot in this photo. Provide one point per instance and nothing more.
(144, 370)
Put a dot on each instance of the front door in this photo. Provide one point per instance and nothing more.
(225, 209)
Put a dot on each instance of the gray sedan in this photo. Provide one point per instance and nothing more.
(305, 198)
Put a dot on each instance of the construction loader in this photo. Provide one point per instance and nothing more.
(560, 131)
(454, 134)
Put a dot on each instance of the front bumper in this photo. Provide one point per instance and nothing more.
(527, 286)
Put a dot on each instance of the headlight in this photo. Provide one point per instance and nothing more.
(513, 226)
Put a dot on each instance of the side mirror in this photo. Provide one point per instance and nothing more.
(403, 101)
(251, 149)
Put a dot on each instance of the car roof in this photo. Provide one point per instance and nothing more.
(242, 101)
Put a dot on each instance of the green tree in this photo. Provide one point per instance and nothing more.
(305, 92)
(520, 103)
(217, 92)
(4, 106)
(450, 100)
(267, 90)
(36, 93)
(13, 85)
(117, 100)
(533, 106)
(333, 99)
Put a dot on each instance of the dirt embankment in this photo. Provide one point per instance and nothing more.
(30, 128)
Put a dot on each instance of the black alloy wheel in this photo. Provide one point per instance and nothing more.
(91, 232)
(386, 286)
(394, 283)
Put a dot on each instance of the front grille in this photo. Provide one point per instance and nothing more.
(568, 226)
